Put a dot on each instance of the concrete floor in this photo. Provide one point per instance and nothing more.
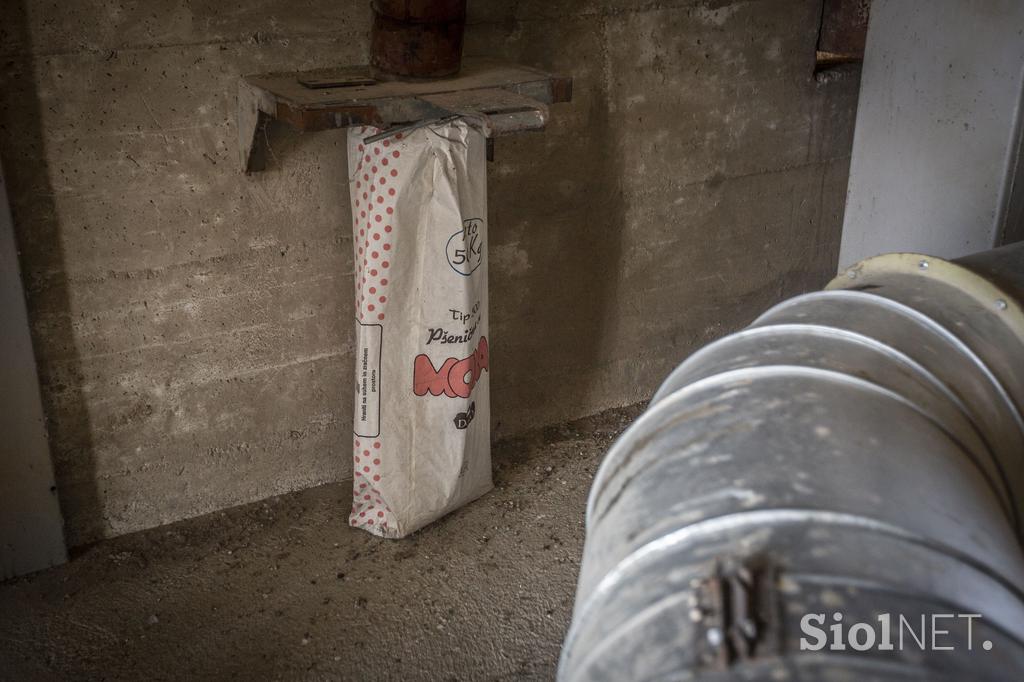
(284, 589)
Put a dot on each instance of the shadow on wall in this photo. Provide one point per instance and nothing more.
(575, 263)
(38, 233)
(554, 299)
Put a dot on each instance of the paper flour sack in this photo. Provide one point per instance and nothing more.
(422, 411)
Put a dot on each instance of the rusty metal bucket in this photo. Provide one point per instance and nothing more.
(417, 38)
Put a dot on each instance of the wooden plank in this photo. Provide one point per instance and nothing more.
(476, 73)
(507, 98)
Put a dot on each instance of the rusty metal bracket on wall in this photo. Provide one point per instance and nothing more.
(507, 99)
(842, 33)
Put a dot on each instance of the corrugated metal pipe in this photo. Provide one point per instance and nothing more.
(833, 493)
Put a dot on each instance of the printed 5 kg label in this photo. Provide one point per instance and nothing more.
(465, 248)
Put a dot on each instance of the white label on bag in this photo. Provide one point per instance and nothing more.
(368, 380)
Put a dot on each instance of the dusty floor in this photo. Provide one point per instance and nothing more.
(284, 589)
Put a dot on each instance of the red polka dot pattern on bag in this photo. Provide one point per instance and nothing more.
(372, 205)
(368, 506)
(374, 253)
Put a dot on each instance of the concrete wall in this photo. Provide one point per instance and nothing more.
(192, 324)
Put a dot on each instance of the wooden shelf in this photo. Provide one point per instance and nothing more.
(506, 99)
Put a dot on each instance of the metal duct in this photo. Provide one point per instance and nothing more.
(857, 451)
